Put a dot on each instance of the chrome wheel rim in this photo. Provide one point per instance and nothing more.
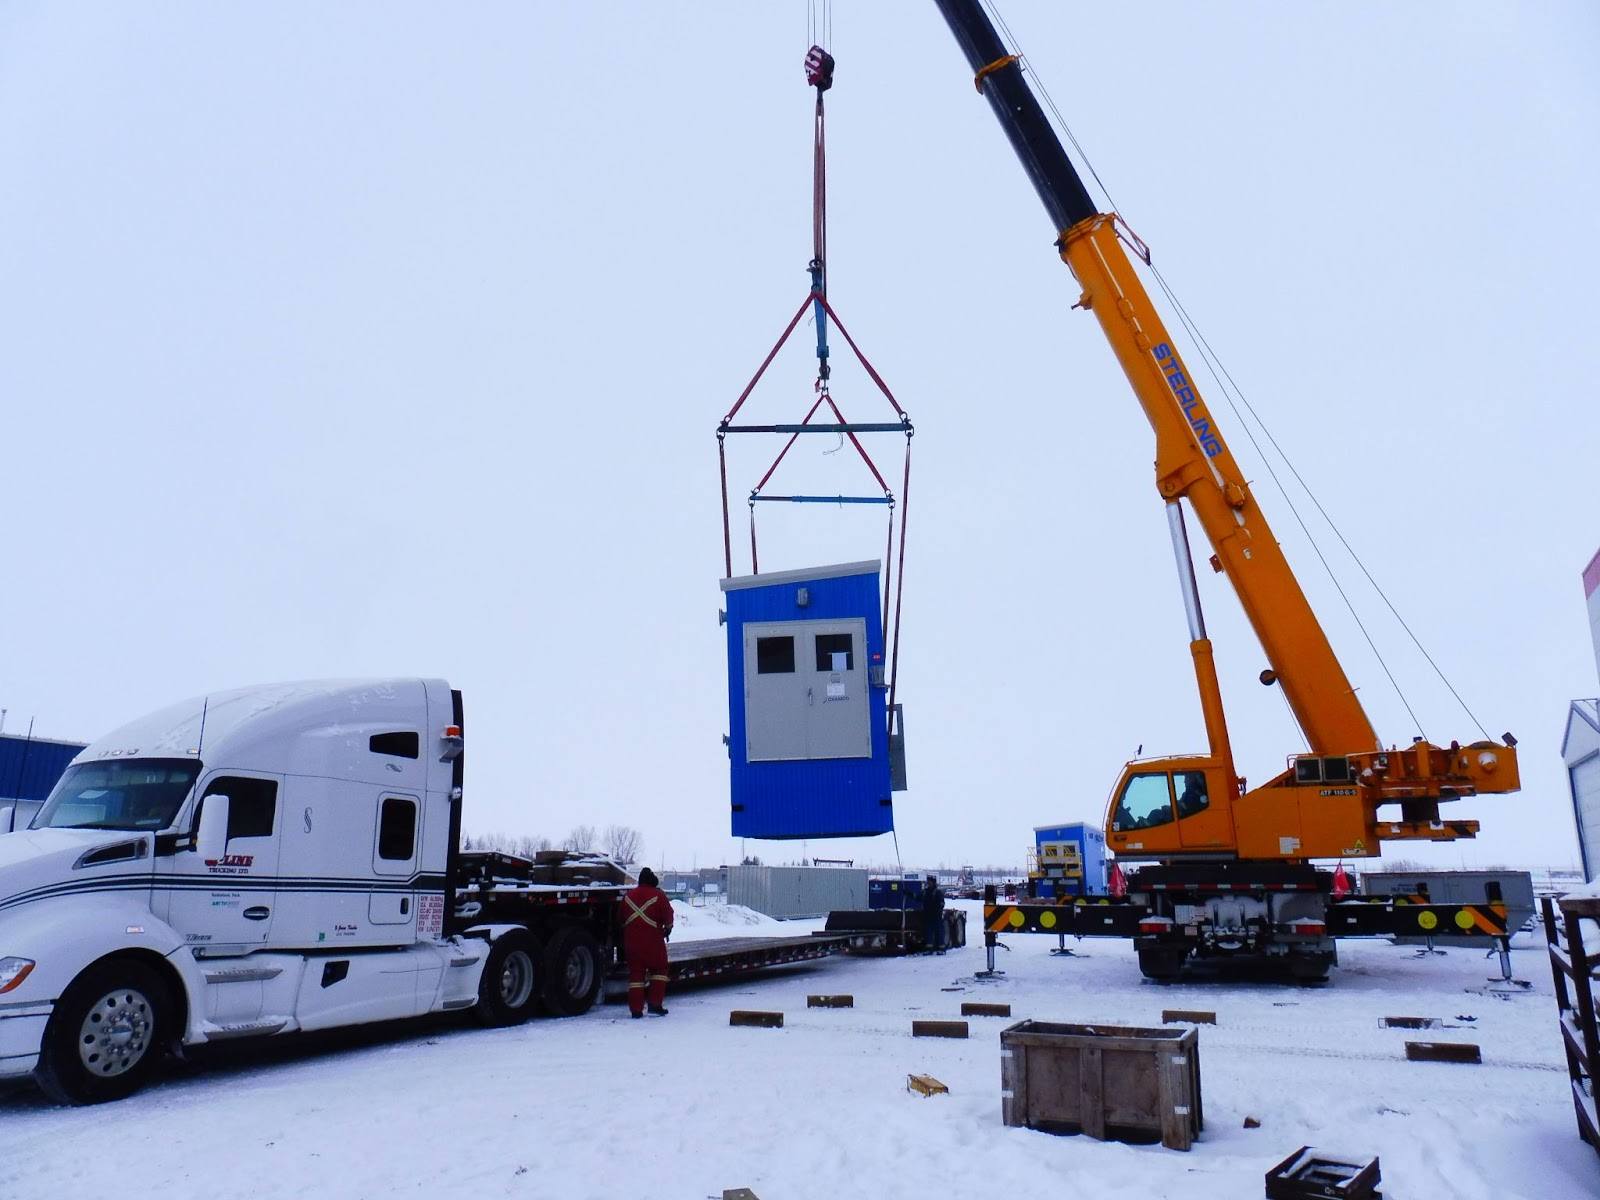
(516, 979)
(116, 1033)
(580, 972)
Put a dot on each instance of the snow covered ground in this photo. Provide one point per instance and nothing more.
(681, 1107)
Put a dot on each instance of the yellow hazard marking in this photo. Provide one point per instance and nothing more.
(1427, 920)
(1017, 919)
(1464, 919)
(1047, 919)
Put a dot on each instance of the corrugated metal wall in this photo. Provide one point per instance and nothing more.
(790, 892)
(29, 769)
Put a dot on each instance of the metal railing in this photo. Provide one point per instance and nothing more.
(1572, 930)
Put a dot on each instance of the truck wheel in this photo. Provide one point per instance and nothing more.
(508, 991)
(1311, 968)
(106, 1034)
(1163, 965)
(572, 971)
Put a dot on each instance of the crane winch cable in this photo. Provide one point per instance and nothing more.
(819, 68)
(1230, 389)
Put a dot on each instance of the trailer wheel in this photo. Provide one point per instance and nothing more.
(508, 991)
(1164, 965)
(106, 1034)
(572, 971)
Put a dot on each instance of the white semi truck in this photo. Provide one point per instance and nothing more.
(268, 860)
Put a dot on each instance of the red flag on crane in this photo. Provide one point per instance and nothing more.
(1341, 882)
(1117, 885)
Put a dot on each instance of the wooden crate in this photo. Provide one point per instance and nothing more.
(1117, 1082)
(830, 1001)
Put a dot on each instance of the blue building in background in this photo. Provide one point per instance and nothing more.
(29, 767)
(808, 730)
(1068, 860)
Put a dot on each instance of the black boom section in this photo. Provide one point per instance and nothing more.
(1043, 157)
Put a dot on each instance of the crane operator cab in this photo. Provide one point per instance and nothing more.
(1160, 806)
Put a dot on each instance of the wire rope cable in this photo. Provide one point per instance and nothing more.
(1230, 390)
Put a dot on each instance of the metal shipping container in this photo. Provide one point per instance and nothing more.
(791, 892)
(1457, 887)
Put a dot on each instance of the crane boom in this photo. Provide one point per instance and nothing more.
(1193, 461)
(1197, 808)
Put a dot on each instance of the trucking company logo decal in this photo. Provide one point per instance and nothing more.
(231, 864)
(1188, 400)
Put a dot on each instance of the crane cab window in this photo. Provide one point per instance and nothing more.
(1310, 769)
(1190, 787)
(1146, 802)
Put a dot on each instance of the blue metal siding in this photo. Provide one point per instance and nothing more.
(810, 798)
(29, 769)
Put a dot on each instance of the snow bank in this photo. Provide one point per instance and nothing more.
(694, 923)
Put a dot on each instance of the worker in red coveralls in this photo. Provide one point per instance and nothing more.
(646, 925)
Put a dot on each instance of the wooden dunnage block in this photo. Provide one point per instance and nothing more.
(760, 1020)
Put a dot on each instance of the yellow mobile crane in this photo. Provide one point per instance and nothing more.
(1232, 871)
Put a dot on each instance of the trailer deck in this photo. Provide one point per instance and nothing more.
(736, 956)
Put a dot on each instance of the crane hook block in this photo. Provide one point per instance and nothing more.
(819, 68)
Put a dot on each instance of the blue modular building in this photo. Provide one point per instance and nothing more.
(808, 733)
(1069, 860)
(29, 768)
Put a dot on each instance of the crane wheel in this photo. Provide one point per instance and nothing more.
(1163, 965)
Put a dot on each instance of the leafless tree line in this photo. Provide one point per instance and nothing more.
(621, 843)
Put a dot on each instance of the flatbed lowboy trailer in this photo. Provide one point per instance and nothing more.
(717, 959)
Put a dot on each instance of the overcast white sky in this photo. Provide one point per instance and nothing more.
(371, 339)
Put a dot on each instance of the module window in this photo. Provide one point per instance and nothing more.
(830, 645)
(775, 656)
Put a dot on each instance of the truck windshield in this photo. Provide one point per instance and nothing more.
(130, 794)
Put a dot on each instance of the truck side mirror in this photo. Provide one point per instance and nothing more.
(211, 841)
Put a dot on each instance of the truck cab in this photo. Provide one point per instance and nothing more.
(259, 861)
(1162, 806)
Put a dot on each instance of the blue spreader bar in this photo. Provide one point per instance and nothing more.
(827, 499)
